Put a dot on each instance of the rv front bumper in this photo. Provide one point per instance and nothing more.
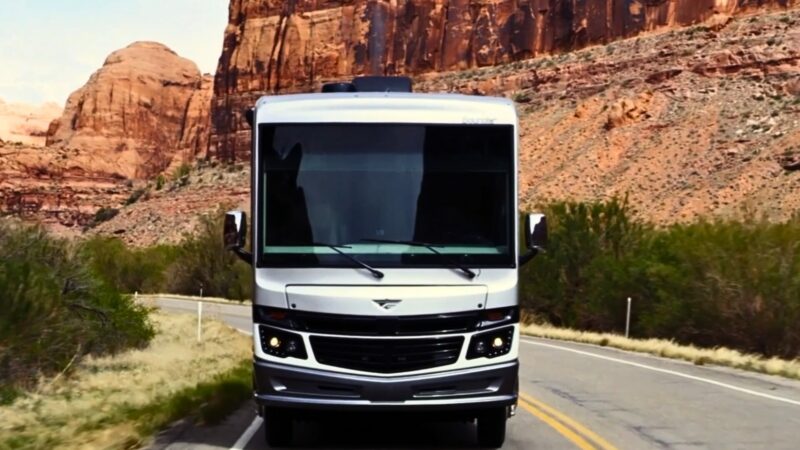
(280, 386)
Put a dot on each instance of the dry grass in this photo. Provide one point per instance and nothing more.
(670, 349)
(226, 301)
(105, 401)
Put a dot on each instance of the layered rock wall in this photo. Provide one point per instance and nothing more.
(142, 109)
(284, 46)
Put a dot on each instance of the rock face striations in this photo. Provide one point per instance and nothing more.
(284, 46)
(144, 107)
(144, 112)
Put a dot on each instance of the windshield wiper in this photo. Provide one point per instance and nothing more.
(375, 272)
(469, 273)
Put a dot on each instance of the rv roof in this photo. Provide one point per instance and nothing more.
(389, 107)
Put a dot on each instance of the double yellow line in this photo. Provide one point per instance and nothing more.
(582, 437)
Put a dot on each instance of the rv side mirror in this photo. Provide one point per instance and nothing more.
(535, 231)
(535, 236)
(235, 230)
(234, 234)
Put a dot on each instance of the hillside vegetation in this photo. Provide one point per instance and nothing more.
(709, 283)
(56, 309)
(198, 262)
(119, 401)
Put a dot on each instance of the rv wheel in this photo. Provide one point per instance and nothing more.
(492, 428)
(278, 426)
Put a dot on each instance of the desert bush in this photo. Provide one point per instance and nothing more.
(727, 283)
(55, 309)
(199, 261)
(135, 196)
(181, 171)
(587, 243)
(203, 261)
(103, 214)
(129, 269)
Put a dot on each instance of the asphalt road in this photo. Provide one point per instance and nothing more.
(573, 396)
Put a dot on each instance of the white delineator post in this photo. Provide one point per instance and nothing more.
(628, 319)
(199, 321)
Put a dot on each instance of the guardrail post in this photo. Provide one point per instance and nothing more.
(628, 319)
(199, 321)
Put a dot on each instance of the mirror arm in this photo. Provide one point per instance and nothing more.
(244, 255)
(529, 255)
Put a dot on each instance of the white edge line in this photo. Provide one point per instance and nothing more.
(670, 372)
(244, 439)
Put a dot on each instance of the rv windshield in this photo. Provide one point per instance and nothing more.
(449, 186)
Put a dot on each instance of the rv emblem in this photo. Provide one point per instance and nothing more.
(386, 303)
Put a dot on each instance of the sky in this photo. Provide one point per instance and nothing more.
(49, 48)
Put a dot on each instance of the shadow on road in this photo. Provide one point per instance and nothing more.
(378, 432)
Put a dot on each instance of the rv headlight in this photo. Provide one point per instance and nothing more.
(491, 344)
(280, 343)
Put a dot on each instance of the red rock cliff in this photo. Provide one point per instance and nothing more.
(284, 46)
(143, 109)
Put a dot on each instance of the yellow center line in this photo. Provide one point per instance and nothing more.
(550, 415)
(556, 425)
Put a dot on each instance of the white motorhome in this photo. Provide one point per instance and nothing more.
(385, 254)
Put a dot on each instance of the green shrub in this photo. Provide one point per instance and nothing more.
(709, 283)
(203, 261)
(55, 309)
(104, 215)
(182, 171)
(200, 261)
(160, 180)
(135, 196)
(129, 270)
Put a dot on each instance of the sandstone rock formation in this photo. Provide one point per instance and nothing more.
(704, 123)
(53, 186)
(26, 123)
(145, 111)
(284, 46)
(136, 113)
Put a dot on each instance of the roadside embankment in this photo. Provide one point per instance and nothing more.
(670, 349)
(120, 401)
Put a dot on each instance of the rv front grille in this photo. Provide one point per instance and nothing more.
(459, 322)
(386, 355)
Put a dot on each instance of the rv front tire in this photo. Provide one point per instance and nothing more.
(492, 428)
(278, 426)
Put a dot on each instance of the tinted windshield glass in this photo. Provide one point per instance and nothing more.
(447, 185)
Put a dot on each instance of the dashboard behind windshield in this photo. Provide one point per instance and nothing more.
(450, 186)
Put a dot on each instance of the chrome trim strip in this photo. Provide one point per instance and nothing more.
(344, 402)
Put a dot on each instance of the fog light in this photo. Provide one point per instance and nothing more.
(480, 347)
(291, 347)
(497, 342)
(274, 342)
